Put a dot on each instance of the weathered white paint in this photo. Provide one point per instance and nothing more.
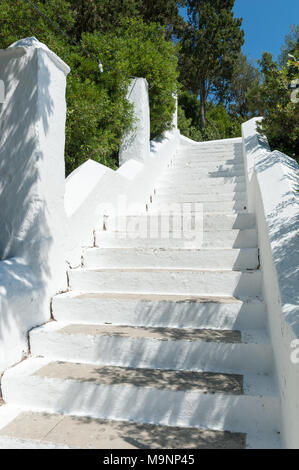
(136, 144)
(167, 281)
(272, 182)
(94, 190)
(176, 258)
(114, 293)
(217, 238)
(252, 355)
(249, 412)
(157, 311)
(33, 223)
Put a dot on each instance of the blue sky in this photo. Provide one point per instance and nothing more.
(266, 23)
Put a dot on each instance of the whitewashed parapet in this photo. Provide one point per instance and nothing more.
(33, 222)
(136, 144)
(273, 179)
(94, 190)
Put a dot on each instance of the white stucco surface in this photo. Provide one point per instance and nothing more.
(33, 223)
(136, 144)
(272, 182)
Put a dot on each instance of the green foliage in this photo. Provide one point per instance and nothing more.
(142, 51)
(291, 42)
(272, 100)
(220, 124)
(105, 15)
(98, 114)
(244, 76)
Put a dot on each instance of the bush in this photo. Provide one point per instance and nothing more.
(98, 114)
(272, 98)
(220, 124)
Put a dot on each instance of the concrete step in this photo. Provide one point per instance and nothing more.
(37, 430)
(227, 351)
(207, 160)
(196, 182)
(194, 174)
(206, 206)
(167, 398)
(211, 221)
(152, 238)
(210, 151)
(207, 197)
(201, 190)
(167, 281)
(173, 258)
(159, 311)
(188, 165)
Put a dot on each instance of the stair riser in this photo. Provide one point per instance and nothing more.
(185, 182)
(210, 153)
(172, 240)
(192, 198)
(193, 165)
(145, 405)
(198, 174)
(231, 189)
(94, 310)
(230, 283)
(205, 259)
(151, 353)
(152, 221)
(218, 206)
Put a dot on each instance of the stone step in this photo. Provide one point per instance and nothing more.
(31, 430)
(167, 281)
(211, 221)
(176, 239)
(159, 311)
(237, 260)
(227, 351)
(205, 206)
(204, 197)
(170, 398)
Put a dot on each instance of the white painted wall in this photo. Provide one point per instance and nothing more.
(272, 182)
(33, 222)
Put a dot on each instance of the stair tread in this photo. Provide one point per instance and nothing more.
(206, 335)
(178, 380)
(92, 433)
(162, 269)
(157, 297)
(169, 334)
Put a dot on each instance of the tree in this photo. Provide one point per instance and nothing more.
(166, 13)
(244, 76)
(272, 100)
(101, 15)
(291, 42)
(98, 113)
(104, 15)
(210, 45)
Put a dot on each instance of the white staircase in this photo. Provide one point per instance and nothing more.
(160, 343)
